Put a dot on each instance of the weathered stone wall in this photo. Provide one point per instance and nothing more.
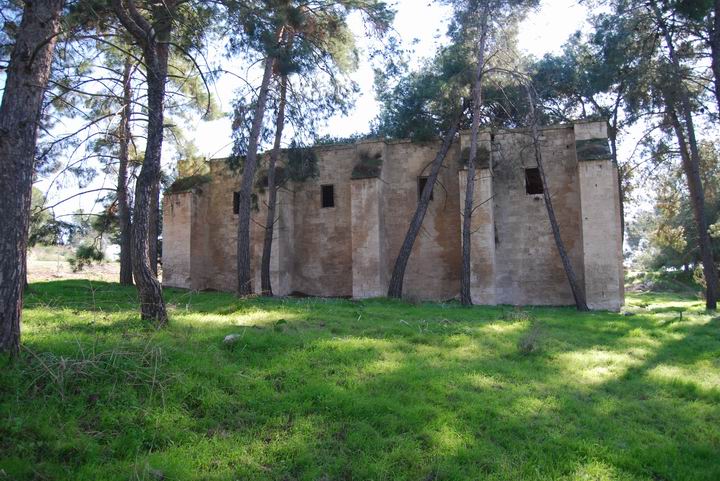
(177, 229)
(367, 256)
(220, 261)
(350, 249)
(528, 267)
(600, 210)
(433, 271)
(483, 242)
(282, 260)
(323, 242)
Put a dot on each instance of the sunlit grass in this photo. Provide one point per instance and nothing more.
(375, 390)
(597, 366)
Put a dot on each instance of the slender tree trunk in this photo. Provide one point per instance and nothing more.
(684, 126)
(126, 277)
(154, 39)
(465, 274)
(244, 287)
(152, 305)
(266, 283)
(715, 50)
(154, 231)
(27, 78)
(621, 191)
(398, 275)
(697, 197)
(577, 290)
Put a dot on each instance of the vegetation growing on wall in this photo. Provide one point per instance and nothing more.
(368, 167)
(186, 184)
(302, 163)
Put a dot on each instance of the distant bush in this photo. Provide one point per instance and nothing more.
(699, 278)
(85, 256)
(665, 281)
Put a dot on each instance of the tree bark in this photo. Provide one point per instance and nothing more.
(27, 77)
(244, 286)
(153, 39)
(577, 290)
(154, 230)
(612, 130)
(715, 50)
(697, 197)
(684, 127)
(398, 275)
(152, 303)
(465, 274)
(265, 281)
(126, 277)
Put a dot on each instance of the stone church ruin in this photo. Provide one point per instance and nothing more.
(337, 234)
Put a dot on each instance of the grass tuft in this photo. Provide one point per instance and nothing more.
(531, 341)
(128, 364)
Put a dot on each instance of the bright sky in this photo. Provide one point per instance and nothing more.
(545, 30)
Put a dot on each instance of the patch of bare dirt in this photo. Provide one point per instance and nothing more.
(52, 270)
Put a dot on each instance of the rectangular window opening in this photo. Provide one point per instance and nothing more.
(328, 196)
(533, 182)
(422, 182)
(236, 203)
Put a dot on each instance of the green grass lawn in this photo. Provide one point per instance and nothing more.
(376, 390)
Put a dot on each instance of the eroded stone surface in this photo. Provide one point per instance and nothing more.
(349, 249)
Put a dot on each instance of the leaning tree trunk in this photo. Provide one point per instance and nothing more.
(27, 77)
(577, 290)
(684, 126)
(398, 274)
(244, 286)
(265, 281)
(465, 274)
(697, 197)
(126, 277)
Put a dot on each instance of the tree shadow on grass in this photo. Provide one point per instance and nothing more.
(679, 441)
(384, 390)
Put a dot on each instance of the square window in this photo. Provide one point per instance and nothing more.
(422, 182)
(533, 182)
(328, 196)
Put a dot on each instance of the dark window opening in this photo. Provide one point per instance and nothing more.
(422, 182)
(533, 182)
(328, 196)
